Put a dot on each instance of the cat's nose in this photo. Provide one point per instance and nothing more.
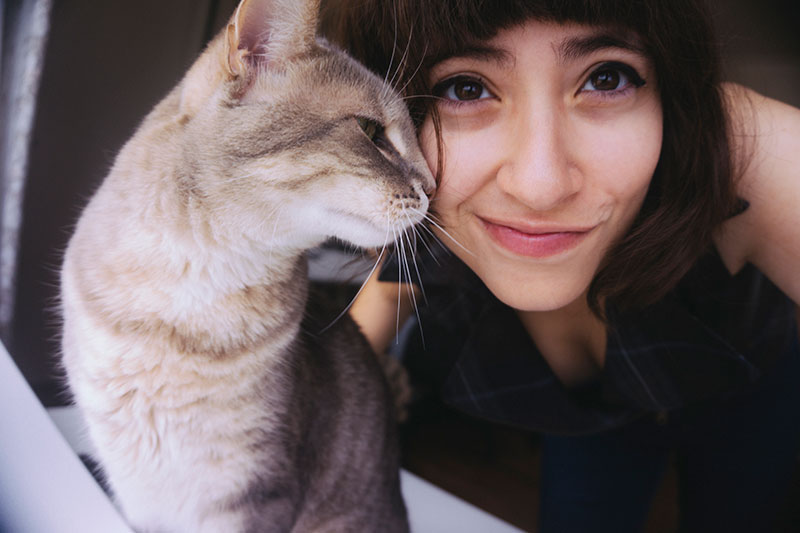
(428, 187)
(428, 184)
(422, 193)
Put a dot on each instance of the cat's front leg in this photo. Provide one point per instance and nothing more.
(268, 506)
(214, 523)
(275, 516)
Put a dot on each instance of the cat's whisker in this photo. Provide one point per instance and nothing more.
(443, 245)
(424, 242)
(394, 47)
(423, 227)
(401, 64)
(432, 217)
(412, 244)
(431, 96)
(416, 70)
(404, 258)
(411, 283)
(438, 226)
(410, 289)
(411, 292)
(435, 238)
(415, 263)
(360, 289)
(399, 285)
(417, 314)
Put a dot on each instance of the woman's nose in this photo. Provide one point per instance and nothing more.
(538, 169)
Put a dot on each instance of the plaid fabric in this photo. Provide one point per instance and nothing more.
(713, 335)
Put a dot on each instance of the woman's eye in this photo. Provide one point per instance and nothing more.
(462, 89)
(606, 80)
(612, 77)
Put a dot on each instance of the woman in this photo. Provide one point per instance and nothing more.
(628, 229)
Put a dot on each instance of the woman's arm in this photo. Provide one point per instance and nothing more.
(377, 312)
(766, 139)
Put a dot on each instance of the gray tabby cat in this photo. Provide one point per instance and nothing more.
(214, 402)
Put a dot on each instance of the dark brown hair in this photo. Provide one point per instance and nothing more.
(691, 192)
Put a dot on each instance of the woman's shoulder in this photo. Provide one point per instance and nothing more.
(765, 137)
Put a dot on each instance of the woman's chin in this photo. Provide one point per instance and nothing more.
(537, 295)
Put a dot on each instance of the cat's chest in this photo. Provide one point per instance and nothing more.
(154, 395)
(184, 463)
(164, 419)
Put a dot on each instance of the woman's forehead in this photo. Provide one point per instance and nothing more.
(568, 40)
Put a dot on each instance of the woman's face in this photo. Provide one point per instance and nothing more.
(551, 135)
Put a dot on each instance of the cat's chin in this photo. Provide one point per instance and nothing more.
(360, 231)
(365, 238)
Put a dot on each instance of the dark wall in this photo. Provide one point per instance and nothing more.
(106, 65)
(761, 45)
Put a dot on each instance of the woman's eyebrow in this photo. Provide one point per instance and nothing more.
(576, 47)
(480, 52)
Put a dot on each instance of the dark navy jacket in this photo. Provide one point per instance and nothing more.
(713, 335)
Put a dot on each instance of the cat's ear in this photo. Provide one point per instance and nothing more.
(267, 33)
(261, 34)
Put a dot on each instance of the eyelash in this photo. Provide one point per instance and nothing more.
(632, 81)
(440, 89)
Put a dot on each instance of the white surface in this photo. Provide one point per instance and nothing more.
(432, 510)
(45, 488)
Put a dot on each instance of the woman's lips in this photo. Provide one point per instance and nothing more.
(535, 242)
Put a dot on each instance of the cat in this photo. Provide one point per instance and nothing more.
(213, 399)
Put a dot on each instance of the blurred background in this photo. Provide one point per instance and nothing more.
(103, 65)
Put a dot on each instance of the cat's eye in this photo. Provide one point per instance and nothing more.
(375, 132)
(370, 127)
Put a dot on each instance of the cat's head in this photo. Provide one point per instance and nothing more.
(292, 139)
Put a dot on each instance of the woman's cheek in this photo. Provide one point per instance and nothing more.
(627, 156)
(464, 155)
(442, 199)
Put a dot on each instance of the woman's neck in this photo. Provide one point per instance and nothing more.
(571, 339)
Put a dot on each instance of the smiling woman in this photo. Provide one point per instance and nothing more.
(621, 278)
(672, 44)
(561, 185)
